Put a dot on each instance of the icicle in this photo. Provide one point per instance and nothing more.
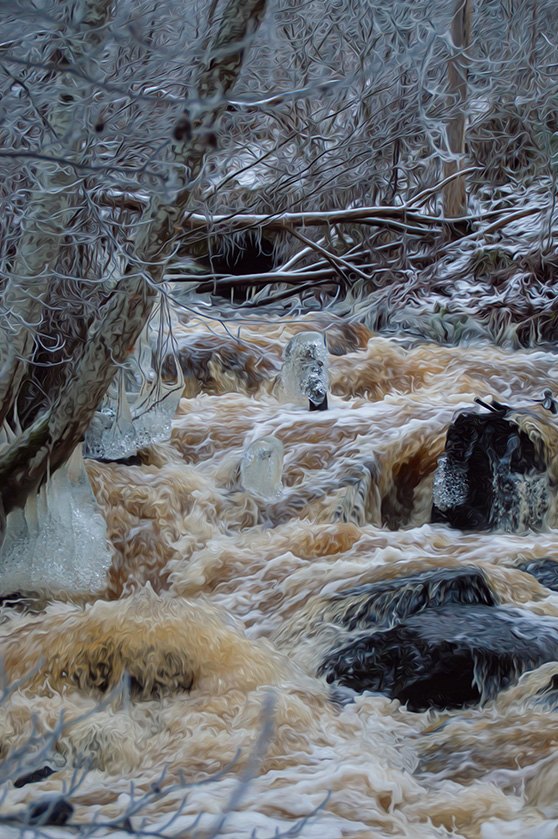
(304, 374)
(140, 405)
(59, 540)
(112, 435)
(163, 386)
(261, 467)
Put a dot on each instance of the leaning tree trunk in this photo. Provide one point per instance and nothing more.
(50, 440)
(455, 194)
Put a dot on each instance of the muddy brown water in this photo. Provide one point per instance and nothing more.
(214, 608)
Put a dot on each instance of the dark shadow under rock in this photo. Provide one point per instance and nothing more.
(544, 570)
(491, 475)
(388, 602)
(445, 658)
(49, 811)
(132, 460)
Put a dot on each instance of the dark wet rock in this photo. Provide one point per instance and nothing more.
(389, 602)
(34, 777)
(491, 475)
(320, 405)
(544, 570)
(132, 460)
(549, 693)
(445, 658)
(53, 811)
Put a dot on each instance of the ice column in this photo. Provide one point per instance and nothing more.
(261, 467)
(59, 541)
(304, 374)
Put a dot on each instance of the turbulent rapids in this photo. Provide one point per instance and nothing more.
(329, 658)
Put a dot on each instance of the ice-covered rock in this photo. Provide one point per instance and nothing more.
(261, 467)
(494, 474)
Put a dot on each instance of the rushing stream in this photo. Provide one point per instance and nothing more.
(221, 605)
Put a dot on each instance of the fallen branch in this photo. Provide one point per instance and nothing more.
(225, 283)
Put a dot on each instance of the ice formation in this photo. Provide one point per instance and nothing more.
(451, 486)
(261, 467)
(112, 434)
(520, 501)
(139, 406)
(59, 540)
(304, 375)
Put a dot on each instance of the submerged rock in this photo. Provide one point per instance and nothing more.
(447, 657)
(388, 602)
(49, 811)
(494, 472)
(545, 570)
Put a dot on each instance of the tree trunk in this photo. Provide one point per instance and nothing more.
(50, 440)
(455, 195)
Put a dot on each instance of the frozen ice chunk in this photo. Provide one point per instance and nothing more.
(304, 374)
(261, 467)
(59, 541)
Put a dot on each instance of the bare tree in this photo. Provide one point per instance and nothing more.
(50, 439)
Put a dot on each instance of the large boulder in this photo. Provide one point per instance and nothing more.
(497, 470)
(545, 570)
(446, 657)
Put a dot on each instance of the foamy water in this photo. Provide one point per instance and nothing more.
(216, 608)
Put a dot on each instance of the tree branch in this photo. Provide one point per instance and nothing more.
(52, 438)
